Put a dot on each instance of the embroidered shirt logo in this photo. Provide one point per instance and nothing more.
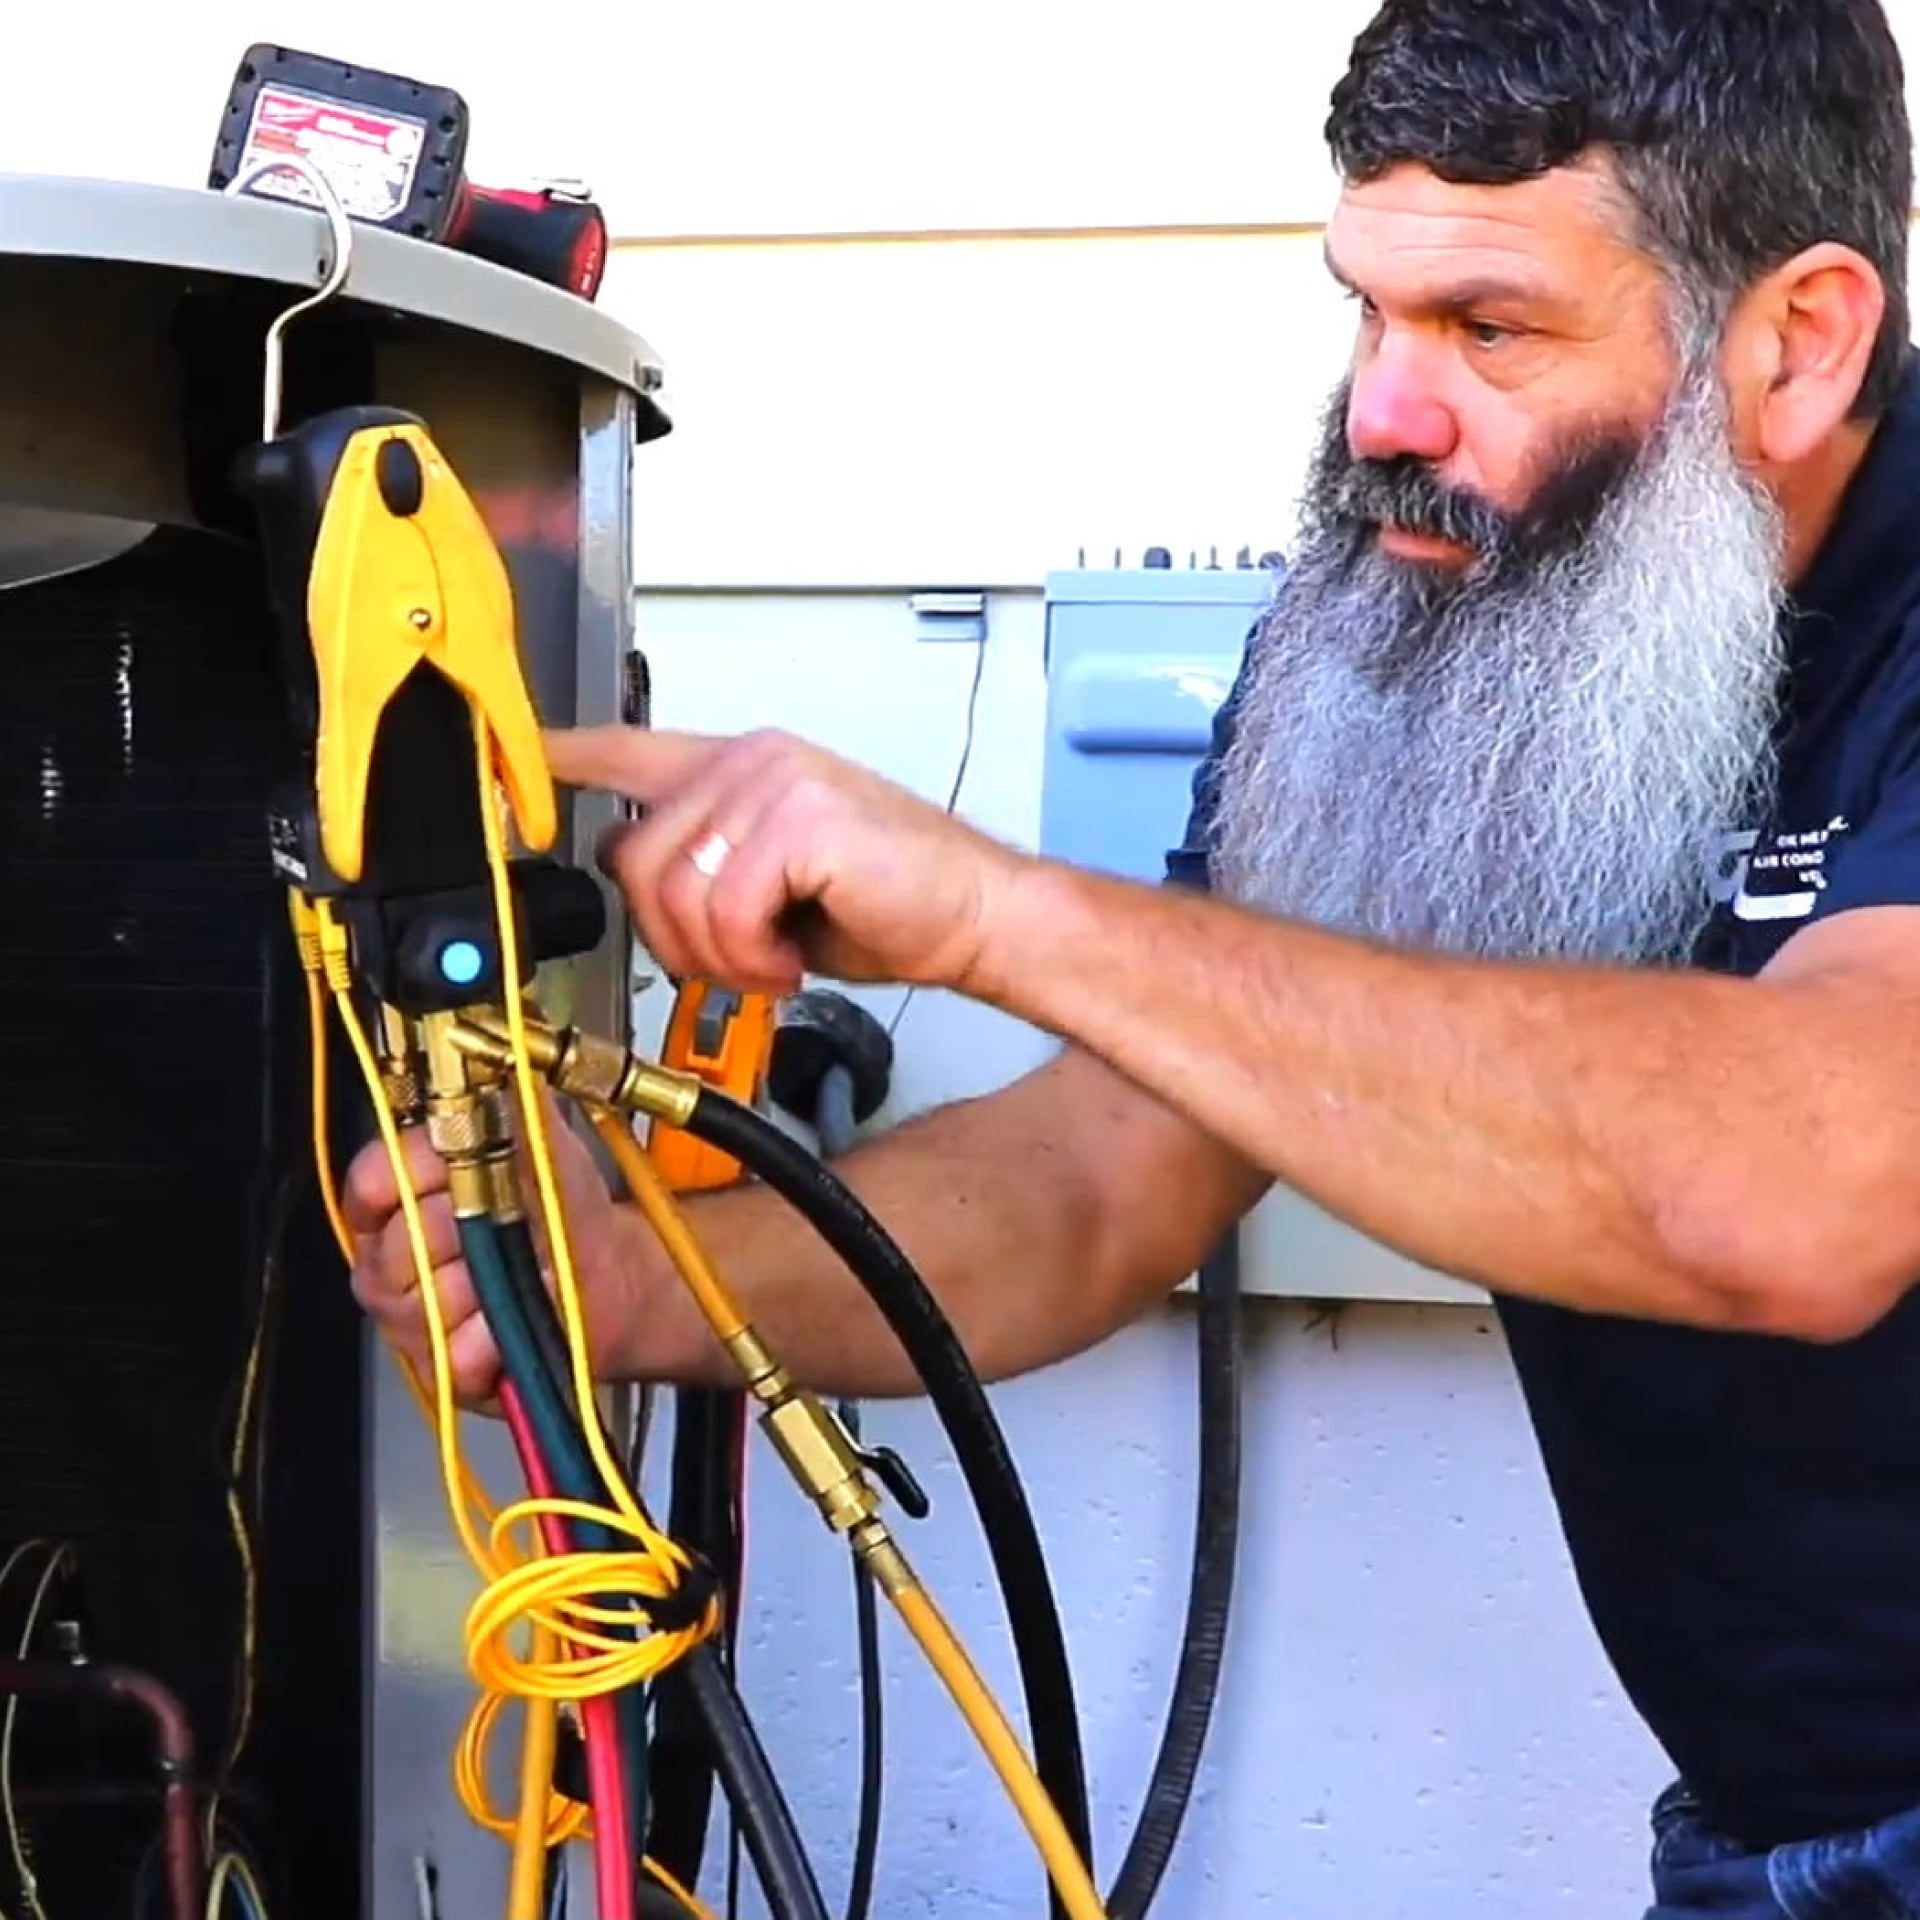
(1781, 878)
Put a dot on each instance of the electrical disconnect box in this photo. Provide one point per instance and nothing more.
(1139, 660)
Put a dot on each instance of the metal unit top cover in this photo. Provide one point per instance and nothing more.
(276, 241)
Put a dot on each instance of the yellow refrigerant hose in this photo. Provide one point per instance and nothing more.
(918, 1613)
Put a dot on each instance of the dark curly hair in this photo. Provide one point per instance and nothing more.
(1743, 131)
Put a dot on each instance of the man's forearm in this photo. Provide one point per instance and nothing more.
(1617, 1140)
(1003, 1211)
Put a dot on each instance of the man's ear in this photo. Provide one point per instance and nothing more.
(1797, 349)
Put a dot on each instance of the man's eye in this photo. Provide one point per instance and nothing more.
(1487, 333)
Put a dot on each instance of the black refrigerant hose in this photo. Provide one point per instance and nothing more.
(1210, 1589)
(958, 1399)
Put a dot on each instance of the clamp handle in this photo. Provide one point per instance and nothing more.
(379, 563)
(396, 622)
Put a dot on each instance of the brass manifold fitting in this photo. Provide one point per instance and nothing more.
(468, 1118)
(582, 1065)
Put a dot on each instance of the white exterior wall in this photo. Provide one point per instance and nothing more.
(1069, 299)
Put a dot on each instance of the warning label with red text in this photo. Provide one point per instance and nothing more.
(368, 158)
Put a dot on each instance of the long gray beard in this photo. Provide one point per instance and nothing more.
(1535, 764)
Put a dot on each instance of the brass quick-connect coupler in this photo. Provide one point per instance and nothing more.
(506, 1199)
(820, 1456)
(765, 1377)
(473, 1133)
(815, 1446)
(401, 1082)
(499, 1170)
(585, 1066)
(400, 1087)
(457, 1127)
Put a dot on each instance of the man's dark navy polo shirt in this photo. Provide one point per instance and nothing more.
(1743, 1513)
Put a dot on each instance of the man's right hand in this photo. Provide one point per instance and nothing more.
(624, 1278)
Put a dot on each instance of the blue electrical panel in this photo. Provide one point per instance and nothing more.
(1138, 662)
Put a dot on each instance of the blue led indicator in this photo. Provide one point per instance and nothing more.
(461, 963)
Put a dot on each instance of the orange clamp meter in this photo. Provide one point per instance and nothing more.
(725, 1039)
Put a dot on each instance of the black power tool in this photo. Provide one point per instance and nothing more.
(394, 151)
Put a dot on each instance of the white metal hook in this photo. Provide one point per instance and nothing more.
(340, 228)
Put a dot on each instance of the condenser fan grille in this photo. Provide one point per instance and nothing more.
(152, 1107)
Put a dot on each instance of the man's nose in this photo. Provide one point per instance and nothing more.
(1394, 410)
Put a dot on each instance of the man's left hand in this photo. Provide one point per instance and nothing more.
(761, 857)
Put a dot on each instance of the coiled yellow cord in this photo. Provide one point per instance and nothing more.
(492, 1555)
(565, 1819)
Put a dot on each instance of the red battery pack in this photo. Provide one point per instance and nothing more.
(542, 232)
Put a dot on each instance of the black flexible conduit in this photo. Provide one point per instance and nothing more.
(972, 1428)
(760, 1808)
(761, 1815)
(700, 1517)
(1209, 1595)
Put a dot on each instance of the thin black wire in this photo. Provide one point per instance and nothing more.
(953, 792)
(873, 1730)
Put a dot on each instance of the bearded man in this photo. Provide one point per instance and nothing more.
(1550, 909)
